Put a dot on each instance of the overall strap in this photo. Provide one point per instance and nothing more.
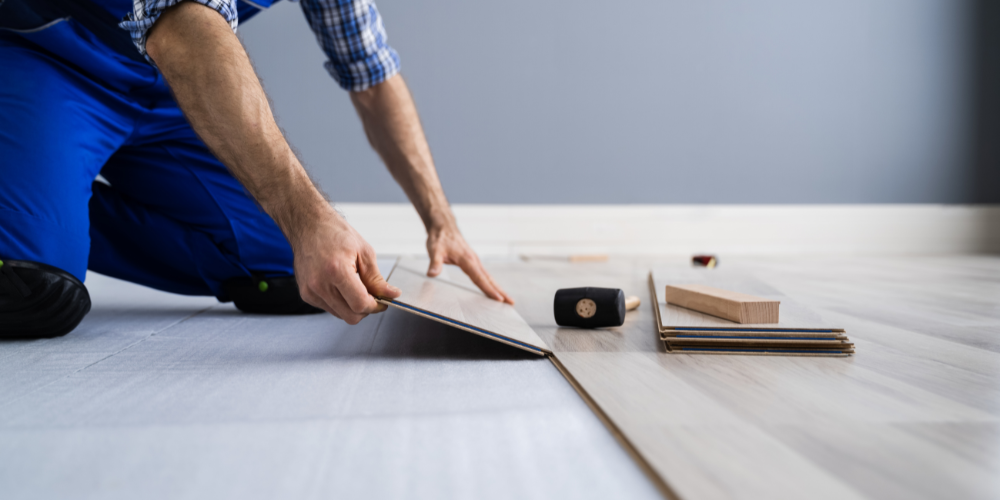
(96, 19)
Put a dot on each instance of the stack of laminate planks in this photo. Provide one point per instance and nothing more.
(794, 331)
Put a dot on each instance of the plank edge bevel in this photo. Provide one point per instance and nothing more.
(658, 481)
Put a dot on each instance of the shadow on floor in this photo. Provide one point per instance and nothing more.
(279, 338)
(404, 335)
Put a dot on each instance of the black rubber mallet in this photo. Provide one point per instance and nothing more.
(592, 307)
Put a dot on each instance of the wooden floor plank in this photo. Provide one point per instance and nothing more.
(452, 298)
(914, 460)
(914, 414)
(690, 437)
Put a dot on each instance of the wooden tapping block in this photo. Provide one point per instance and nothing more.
(734, 306)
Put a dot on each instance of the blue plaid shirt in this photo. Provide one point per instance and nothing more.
(349, 31)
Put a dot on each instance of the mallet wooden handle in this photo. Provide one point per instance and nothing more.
(632, 302)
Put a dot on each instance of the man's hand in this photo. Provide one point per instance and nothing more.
(211, 77)
(338, 272)
(447, 246)
(393, 128)
(210, 74)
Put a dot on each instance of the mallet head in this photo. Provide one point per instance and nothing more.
(589, 307)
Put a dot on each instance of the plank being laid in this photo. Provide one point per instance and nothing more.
(915, 414)
(452, 298)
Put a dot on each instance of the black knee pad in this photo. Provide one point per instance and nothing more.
(267, 295)
(39, 300)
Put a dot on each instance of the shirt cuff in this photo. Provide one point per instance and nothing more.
(146, 12)
(356, 76)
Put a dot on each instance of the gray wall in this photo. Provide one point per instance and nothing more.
(669, 101)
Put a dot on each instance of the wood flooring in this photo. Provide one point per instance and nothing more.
(914, 414)
(159, 396)
(453, 299)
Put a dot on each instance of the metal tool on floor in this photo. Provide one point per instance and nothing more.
(592, 307)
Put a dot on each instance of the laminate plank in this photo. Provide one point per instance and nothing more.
(814, 391)
(918, 290)
(452, 298)
(793, 315)
(915, 460)
(947, 313)
(914, 414)
(690, 438)
(959, 372)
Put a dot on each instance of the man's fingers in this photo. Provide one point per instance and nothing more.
(506, 298)
(481, 278)
(437, 263)
(372, 278)
(326, 295)
(355, 294)
(315, 299)
(339, 303)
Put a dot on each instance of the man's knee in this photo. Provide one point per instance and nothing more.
(39, 301)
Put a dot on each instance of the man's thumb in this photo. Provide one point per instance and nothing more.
(437, 265)
(375, 283)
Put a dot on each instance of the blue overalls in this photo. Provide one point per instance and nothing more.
(172, 218)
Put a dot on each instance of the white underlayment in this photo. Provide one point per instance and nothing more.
(512, 230)
(161, 396)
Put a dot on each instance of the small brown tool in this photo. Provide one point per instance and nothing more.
(709, 261)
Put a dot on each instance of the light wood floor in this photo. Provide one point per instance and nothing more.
(159, 396)
(914, 414)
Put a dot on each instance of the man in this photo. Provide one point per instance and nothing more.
(177, 125)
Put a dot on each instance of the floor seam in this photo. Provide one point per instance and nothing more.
(151, 335)
(78, 370)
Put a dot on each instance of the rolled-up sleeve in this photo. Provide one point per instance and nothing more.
(351, 34)
(146, 12)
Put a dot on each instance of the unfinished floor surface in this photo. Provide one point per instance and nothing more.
(161, 396)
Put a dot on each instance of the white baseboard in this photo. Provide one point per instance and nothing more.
(510, 230)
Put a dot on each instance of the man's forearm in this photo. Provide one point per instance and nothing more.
(210, 75)
(393, 128)
(216, 87)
